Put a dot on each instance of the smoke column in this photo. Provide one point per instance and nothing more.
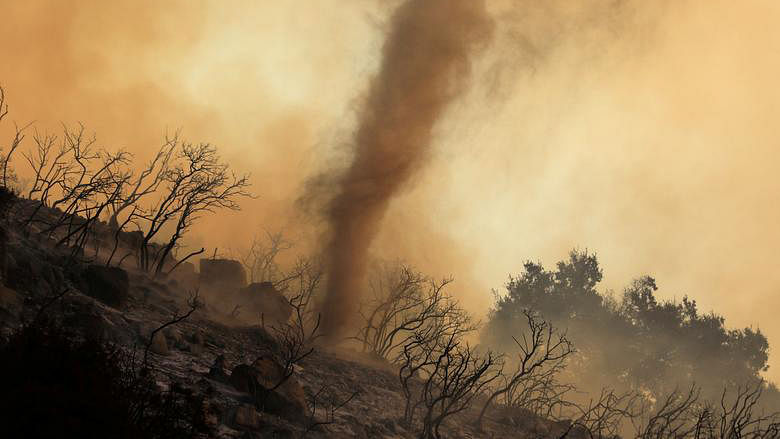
(425, 65)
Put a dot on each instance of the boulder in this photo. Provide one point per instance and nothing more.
(261, 379)
(159, 344)
(222, 273)
(109, 285)
(270, 369)
(245, 378)
(265, 300)
(247, 417)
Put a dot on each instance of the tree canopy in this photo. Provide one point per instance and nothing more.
(636, 340)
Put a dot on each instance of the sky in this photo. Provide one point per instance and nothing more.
(643, 131)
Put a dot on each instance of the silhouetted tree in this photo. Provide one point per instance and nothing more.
(633, 342)
(297, 335)
(260, 259)
(401, 302)
(542, 354)
(146, 182)
(197, 182)
(7, 174)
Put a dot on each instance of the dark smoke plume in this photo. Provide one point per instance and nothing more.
(425, 65)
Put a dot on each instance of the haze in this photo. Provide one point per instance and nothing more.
(644, 131)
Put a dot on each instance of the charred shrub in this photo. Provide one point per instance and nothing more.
(56, 384)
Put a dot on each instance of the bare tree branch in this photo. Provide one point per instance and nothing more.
(542, 346)
(193, 304)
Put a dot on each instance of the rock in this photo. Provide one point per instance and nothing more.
(222, 274)
(244, 378)
(266, 300)
(270, 371)
(247, 417)
(288, 400)
(109, 285)
(159, 344)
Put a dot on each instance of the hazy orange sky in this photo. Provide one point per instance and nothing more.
(644, 131)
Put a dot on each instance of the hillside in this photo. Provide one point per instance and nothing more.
(204, 356)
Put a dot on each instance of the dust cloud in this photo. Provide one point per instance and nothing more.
(425, 65)
(644, 131)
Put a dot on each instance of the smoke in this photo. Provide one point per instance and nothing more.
(425, 65)
(644, 131)
(232, 76)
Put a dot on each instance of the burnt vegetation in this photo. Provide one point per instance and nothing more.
(60, 230)
(545, 330)
(75, 184)
(555, 357)
(60, 384)
(635, 341)
(638, 353)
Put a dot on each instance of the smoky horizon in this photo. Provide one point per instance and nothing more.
(464, 138)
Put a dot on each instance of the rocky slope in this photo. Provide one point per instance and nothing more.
(332, 392)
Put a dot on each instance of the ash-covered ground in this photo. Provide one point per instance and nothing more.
(229, 352)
